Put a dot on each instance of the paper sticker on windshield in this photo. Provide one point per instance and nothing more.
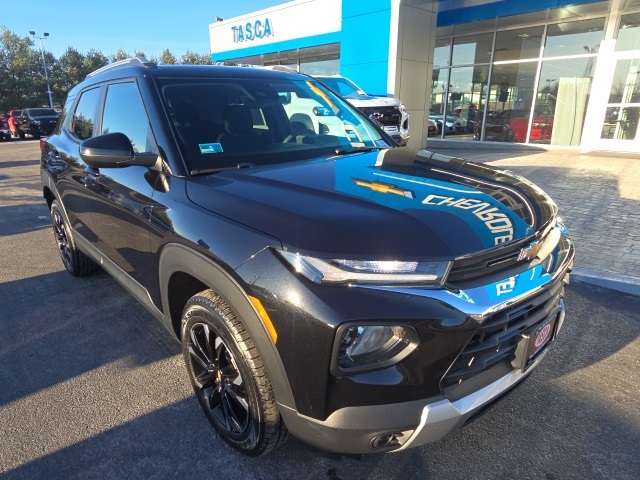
(210, 148)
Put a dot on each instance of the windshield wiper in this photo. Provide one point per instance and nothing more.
(220, 169)
(346, 151)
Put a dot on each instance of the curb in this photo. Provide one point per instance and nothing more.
(613, 281)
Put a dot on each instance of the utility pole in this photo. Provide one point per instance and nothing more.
(44, 64)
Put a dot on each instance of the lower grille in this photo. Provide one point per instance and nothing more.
(495, 341)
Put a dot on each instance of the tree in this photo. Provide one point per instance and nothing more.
(194, 58)
(22, 77)
(74, 67)
(119, 55)
(167, 58)
(21, 74)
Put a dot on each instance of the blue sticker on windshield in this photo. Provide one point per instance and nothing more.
(210, 148)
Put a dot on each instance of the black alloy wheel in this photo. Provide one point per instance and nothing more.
(219, 381)
(60, 232)
(228, 376)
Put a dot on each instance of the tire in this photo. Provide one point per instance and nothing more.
(510, 136)
(21, 135)
(228, 376)
(76, 262)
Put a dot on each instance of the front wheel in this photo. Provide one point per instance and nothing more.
(228, 376)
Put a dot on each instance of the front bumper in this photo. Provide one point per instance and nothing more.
(360, 429)
(357, 430)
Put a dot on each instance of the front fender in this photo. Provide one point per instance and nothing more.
(177, 258)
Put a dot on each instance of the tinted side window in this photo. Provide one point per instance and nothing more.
(82, 124)
(124, 113)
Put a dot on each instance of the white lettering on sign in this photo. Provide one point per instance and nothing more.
(251, 31)
(498, 223)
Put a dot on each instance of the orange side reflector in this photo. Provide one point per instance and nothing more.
(266, 321)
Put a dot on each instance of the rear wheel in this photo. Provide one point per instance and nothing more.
(228, 377)
(76, 262)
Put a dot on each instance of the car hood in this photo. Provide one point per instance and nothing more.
(365, 101)
(397, 204)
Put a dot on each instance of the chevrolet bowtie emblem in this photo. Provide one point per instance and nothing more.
(531, 252)
(384, 188)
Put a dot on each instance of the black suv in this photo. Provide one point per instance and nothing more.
(323, 282)
(36, 122)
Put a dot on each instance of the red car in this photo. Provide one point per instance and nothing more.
(511, 126)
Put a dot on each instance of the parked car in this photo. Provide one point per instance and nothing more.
(511, 126)
(5, 133)
(432, 128)
(36, 122)
(448, 123)
(363, 297)
(390, 113)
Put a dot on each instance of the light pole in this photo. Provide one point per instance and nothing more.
(44, 64)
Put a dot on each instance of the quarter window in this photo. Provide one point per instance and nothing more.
(82, 124)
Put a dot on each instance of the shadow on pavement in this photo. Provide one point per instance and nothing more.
(553, 427)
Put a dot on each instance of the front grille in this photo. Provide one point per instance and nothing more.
(496, 340)
(387, 116)
(487, 263)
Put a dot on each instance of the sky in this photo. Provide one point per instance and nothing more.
(146, 25)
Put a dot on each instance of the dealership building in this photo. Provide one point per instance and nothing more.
(555, 72)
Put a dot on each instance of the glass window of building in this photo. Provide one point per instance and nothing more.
(518, 44)
(623, 109)
(561, 103)
(315, 66)
(472, 49)
(629, 33)
(467, 94)
(510, 100)
(574, 38)
(439, 82)
(441, 52)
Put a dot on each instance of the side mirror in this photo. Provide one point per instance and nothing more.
(113, 150)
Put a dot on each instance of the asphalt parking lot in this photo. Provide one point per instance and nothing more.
(92, 386)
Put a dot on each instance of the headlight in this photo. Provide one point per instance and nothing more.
(369, 347)
(366, 271)
(402, 108)
(563, 228)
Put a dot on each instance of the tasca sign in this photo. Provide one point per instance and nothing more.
(252, 30)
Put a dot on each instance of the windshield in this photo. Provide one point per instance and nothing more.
(41, 112)
(222, 123)
(342, 85)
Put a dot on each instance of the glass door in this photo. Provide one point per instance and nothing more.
(620, 121)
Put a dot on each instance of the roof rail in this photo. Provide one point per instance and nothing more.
(134, 61)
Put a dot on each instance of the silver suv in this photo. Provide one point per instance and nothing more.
(388, 112)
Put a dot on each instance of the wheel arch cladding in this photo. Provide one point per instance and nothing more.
(180, 265)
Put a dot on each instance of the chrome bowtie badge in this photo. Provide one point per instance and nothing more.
(531, 252)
